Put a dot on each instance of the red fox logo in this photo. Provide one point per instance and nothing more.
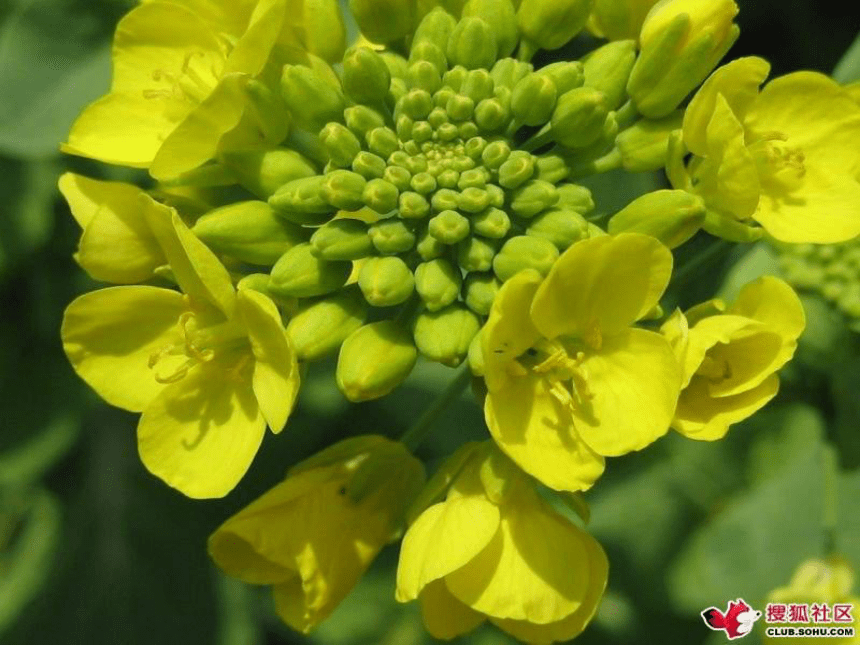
(737, 622)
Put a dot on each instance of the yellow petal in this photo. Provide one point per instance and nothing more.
(533, 429)
(573, 300)
(444, 538)
(253, 49)
(708, 333)
(276, 371)
(109, 336)
(201, 433)
(772, 302)
(634, 381)
(534, 569)
(444, 616)
(86, 196)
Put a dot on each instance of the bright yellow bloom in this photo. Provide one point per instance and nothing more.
(786, 157)
(495, 550)
(569, 379)
(313, 536)
(730, 356)
(179, 81)
(208, 369)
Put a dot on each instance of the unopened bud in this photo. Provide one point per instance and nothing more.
(436, 28)
(362, 119)
(391, 236)
(495, 154)
(575, 198)
(476, 254)
(413, 206)
(524, 252)
(381, 196)
(579, 117)
(369, 165)
(472, 44)
(478, 85)
(438, 283)
(301, 274)
(449, 227)
(365, 76)
(301, 202)
(501, 17)
(567, 75)
(444, 336)
(492, 222)
(551, 168)
(671, 216)
(340, 143)
(343, 189)
(374, 360)
(533, 99)
(263, 172)
(429, 248)
(507, 72)
(644, 146)
(479, 292)
(424, 75)
(550, 24)
(341, 239)
(517, 169)
(385, 282)
(607, 69)
(561, 227)
(311, 99)
(384, 21)
(534, 197)
(619, 19)
(325, 32)
(321, 326)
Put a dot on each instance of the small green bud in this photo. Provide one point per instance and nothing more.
(561, 227)
(413, 206)
(575, 198)
(385, 282)
(382, 141)
(476, 254)
(340, 143)
(391, 236)
(533, 99)
(380, 195)
(341, 239)
(423, 183)
(444, 199)
(417, 104)
(497, 195)
(644, 146)
(422, 131)
(534, 197)
(404, 127)
(447, 132)
(475, 356)
(449, 227)
(550, 24)
(472, 44)
(478, 85)
(301, 274)
(517, 169)
(301, 202)
(343, 189)
(384, 21)
(475, 147)
(322, 325)
(399, 177)
(369, 165)
(491, 115)
(619, 19)
(362, 119)
(424, 75)
(374, 360)
(264, 171)
(480, 291)
(567, 75)
(454, 77)
(365, 76)
(493, 223)
(474, 178)
(248, 231)
(448, 179)
(428, 52)
(437, 117)
(397, 65)
(473, 200)
(436, 28)
(396, 91)
(438, 283)
(495, 154)
(672, 216)
(460, 108)
(429, 248)
(311, 100)
(444, 336)
(500, 15)
(507, 72)
(608, 68)
(579, 116)
(524, 252)
(551, 168)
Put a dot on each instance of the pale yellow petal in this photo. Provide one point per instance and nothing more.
(86, 196)
(444, 616)
(709, 332)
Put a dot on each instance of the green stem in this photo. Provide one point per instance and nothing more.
(413, 437)
(831, 497)
(626, 115)
(684, 272)
(526, 51)
(610, 161)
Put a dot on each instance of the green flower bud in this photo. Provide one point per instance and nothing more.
(501, 17)
(431, 53)
(340, 143)
(301, 274)
(396, 91)
(365, 76)
(462, 163)
(491, 115)
(524, 252)
(672, 216)
(417, 104)
(608, 68)
(362, 119)
(391, 236)
(550, 24)
(311, 100)
(369, 165)
(475, 358)
(551, 168)
(507, 72)
(517, 169)
(374, 360)
(619, 19)
(248, 231)
(341, 239)
(381, 195)
(436, 28)
(534, 197)
(575, 198)
(325, 32)
(644, 146)
(322, 325)
(385, 282)
(454, 77)
(438, 283)
(397, 65)
(344, 189)
(475, 147)
(444, 336)
(413, 206)
(493, 223)
(478, 85)
(444, 199)
(479, 292)
(425, 76)
(561, 227)
(681, 42)
(382, 141)
(476, 254)
(422, 131)
(460, 108)
(495, 154)
(473, 200)
(567, 75)
(449, 227)
(533, 99)
(437, 117)
(472, 44)
(497, 195)
(423, 183)
(448, 179)
(429, 248)
(264, 171)
(301, 202)
(579, 117)
(474, 178)
(384, 21)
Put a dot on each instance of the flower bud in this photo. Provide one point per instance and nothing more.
(413, 206)
(644, 146)
(301, 202)
(341, 239)
(561, 227)
(567, 75)
(619, 19)
(517, 169)
(264, 171)
(436, 28)
(524, 252)
(534, 197)
(374, 360)
(507, 72)
(495, 154)
(311, 100)
(533, 99)
(472, 44)
(477, 85)
(607, 69)
(384, 21)
(501, 17)
(344, 189)
(429, 248)
(672, 216)
(576, 198)
(444, 336)
(385, 282)
(301, 274)
(325, 32)
(321, 326)
(424, 75)
(479, 292)
(476, 254)
(681, 42)
(550, 24)
(438, 283)
(579, 117)
(340, 143)
(551, 168)
(473, 200)
(492, 222)
(248, 231)
(365, 76)
(362, 119)
(381, 196)
(391, 236)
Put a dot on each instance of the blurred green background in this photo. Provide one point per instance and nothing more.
(93, 550)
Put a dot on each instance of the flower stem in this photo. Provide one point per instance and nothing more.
(413, 437)
(688, 269)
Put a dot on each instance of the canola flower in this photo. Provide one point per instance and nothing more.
(420, 195)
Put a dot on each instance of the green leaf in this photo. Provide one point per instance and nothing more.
(26, 464)
(847, 70)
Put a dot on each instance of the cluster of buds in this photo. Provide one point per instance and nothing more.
(829, 270)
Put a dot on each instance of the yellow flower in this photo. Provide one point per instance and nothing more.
(786, 157)
(495, 550)
(208, 369)
(180, 72)
(312, 536)
(619, 19)
(730, 356)
(569, 379)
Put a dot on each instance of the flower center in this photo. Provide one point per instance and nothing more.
(561, 365)
(781, 167)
